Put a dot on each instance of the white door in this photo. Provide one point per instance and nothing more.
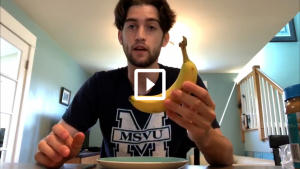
(14, 55)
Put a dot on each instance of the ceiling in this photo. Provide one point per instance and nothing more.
(223, 35)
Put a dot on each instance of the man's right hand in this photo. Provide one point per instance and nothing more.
(58, 147)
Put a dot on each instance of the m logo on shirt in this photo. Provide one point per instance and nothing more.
(132, 140)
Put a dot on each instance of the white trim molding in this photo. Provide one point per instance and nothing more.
(17, 28)
(29, 38)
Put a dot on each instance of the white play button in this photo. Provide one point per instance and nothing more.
(149, 84)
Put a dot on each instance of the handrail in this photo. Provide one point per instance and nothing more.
(271, 82)
(246, 77)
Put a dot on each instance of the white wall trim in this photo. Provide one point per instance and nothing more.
(23, 107)
(205, 83)
(25, 35)
(17, 28)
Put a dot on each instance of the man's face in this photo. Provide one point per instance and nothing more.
(142, 36)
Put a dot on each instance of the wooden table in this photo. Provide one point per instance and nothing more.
(81, 166)
(85, 158)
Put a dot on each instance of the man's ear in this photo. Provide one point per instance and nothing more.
(120, 37)
(166, 39)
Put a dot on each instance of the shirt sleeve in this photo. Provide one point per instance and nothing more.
(200, 83)
(83, 111)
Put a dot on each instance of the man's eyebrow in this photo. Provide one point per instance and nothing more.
(147, 20)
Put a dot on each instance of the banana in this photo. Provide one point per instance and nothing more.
(188, 72)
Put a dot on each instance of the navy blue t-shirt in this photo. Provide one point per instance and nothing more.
(127, 131)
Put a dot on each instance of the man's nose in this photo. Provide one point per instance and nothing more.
(140, 34)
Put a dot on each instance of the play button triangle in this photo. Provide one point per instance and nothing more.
(149, 84)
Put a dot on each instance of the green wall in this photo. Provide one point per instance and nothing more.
(219, 87)
(96, 137)
(280, 61)
(53, 68)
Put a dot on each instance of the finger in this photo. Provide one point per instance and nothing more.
(199, 92)
(206, 114)
(181, 121)
(78, 140)
(75, 143)
(58, 145)
(183, 104)
(69, 142)
(186, 113)
(186, 91)
(60, 131)
(191, 102)
(49, 151)
(44, 160)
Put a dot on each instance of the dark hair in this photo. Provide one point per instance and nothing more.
(167, 16)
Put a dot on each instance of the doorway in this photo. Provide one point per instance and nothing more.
(15, 56)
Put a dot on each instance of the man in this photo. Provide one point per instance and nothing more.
(143, 29)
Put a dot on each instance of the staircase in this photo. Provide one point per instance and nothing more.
(262, 105)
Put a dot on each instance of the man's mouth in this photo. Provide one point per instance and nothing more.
(140, 48)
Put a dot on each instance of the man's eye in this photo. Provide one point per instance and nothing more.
(152, 28)
(131, 26)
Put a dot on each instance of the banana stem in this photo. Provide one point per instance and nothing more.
(184, 54)
(183, 45)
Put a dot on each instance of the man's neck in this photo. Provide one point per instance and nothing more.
(142, 77)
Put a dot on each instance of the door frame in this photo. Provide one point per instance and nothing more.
(24, 34)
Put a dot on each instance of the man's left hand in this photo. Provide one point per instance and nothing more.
(197, 113)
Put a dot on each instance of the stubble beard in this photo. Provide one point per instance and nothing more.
(151, 56)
